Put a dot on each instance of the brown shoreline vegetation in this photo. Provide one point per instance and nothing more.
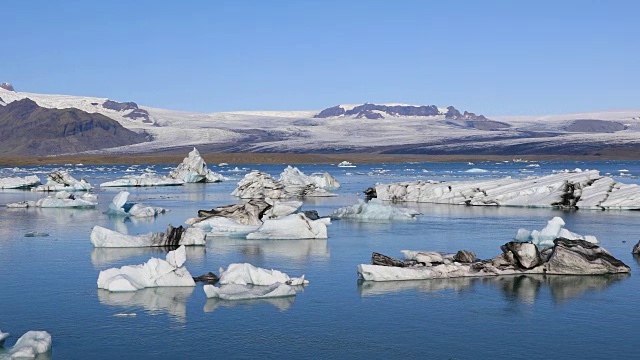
(291, 158)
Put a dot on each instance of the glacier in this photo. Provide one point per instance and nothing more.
(154, 273)
(193, 169)
(119, 206)
(374, 210)
(104, 238)
(570, 189)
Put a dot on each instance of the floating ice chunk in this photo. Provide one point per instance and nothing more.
(549, 233)
(293, 177)
(119, 206)
(155, 272)
(477, 170)
(346, 164)
(374, 210)
(292, 183)
(19, 182)
(221, 226)
(31, 344)
(102, 237)
(247, 274)
(62, 181)
(245, 292)
(3, 337)
(294, 226)
(61, 199)
(193, 169)
(143, 181)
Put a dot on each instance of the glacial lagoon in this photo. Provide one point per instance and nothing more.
(49, 283)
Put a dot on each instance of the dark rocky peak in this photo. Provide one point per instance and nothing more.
(452, 113)
(20, 109)
(139, 114)
(333, 111)
(7, 86)
(119, 106)
(375, 111)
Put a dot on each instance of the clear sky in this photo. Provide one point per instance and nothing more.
(489, 57)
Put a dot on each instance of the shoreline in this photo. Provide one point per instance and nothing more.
(290, 158)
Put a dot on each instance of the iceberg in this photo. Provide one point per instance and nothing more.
(246, 292)
(294, 226)
(19, 182)
(292, 183)
(31, 344)
(247, 274)
(143, 180)
(62, 181)
(569, 189)
(105, 238)
(61, 199)
(3, 337)
(154, 273)
(346, 164)
(193, 169)
(566, 257)
(119, 206)
(374, 210)
(552, 231)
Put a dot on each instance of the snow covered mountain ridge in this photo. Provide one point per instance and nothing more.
(370, 128)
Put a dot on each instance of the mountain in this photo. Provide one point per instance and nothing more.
(363, 128)
(27, 129)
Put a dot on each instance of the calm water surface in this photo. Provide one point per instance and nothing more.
(49, 283)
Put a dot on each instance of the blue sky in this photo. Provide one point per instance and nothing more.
(490, 57)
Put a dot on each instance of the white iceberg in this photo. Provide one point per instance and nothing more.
(292, 183)
(293, 177)
(105, 238)
(552, 231)
(346, 164)
(476, 170)
(31, 344)
(62, 181)
(193, 169)
(143, 180)
(570, 189)
(19, 182)
(246, 292)
(247, 274)
(294, 226)
(374, 210)
(61, 199)
(119, 206)
(155, 272)
(3, 337)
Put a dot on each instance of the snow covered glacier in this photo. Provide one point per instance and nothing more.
(571, 189)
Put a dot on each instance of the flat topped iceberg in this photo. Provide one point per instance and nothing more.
(346, 164)
(143, 180)
(552, 231)
(193, 169)
(570, 189)
(294, 226)
(19, 182)
(120, 206)
(105, 238)
(566, 257)
(31, 344)
(63, 181)
(155, 272)
(61, 199)
(292, 183)
(247, 274)
(247, 292)
(374, 210)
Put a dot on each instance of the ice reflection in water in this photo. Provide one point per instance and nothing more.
(318, 249)
(282, 303)
(101, 257)
(171, 300)
(521, 288)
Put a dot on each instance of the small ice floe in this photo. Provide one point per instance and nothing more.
(551, 232)
(565, 257)
(105, 238)
(19, 182)
(61, 199)
(193, 169)
(154, 273)
(533, 165)
(292, 183)
(223, 164)
(125, 315)
(120, 206)
(374, 210)
(31, 344)
(476, 170)
(143, 180)
(3, 337)
(346, 164)
(623, 170)
(62, 181)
